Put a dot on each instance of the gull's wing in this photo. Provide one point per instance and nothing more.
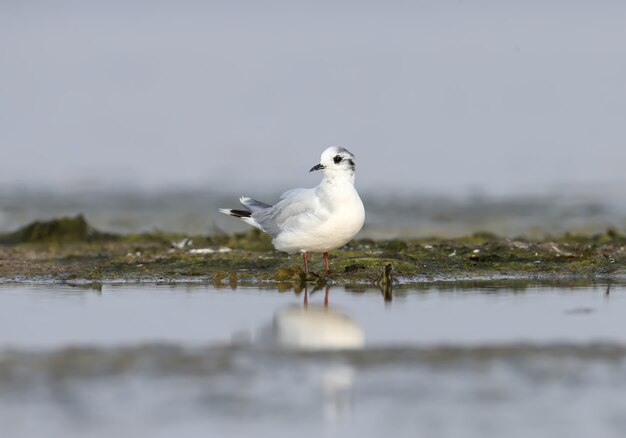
(292, 192)
(298, 208)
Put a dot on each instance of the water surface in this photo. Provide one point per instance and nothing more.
(46, 316)
(191, 360)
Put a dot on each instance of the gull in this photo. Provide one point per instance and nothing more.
(319, 219)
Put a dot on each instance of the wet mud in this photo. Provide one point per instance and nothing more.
(71, 250)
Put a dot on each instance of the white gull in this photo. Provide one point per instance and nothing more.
(319, 219)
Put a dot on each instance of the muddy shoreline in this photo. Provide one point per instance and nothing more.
(69, 250)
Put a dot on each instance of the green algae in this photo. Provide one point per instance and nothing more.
(69, 249)
(65, 229)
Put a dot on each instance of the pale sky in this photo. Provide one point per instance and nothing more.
(431, 96)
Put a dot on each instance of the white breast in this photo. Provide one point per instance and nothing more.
(339, 217)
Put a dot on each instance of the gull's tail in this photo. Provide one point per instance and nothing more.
(252, 206)
(236, 213)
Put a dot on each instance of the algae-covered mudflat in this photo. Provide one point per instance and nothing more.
(71, 250)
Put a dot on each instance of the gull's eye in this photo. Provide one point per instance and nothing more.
(337, 159)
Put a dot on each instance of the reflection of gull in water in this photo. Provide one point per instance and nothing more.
(313, 328)
(317, 328)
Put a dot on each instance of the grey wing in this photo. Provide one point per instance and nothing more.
(297, 208)
(253, 205)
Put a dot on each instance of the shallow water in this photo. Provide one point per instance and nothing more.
(192, 360)
(46, 316)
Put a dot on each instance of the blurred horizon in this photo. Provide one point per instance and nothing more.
(388, 214)
(449, 98)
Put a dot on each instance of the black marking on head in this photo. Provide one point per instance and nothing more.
(351, 163)
(240, 213)
(337, 159)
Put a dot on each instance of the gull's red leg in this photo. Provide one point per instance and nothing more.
(326, 297)
(306, 297)
(306, 262)
(326, 262)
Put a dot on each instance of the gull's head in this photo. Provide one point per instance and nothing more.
(336, 161)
